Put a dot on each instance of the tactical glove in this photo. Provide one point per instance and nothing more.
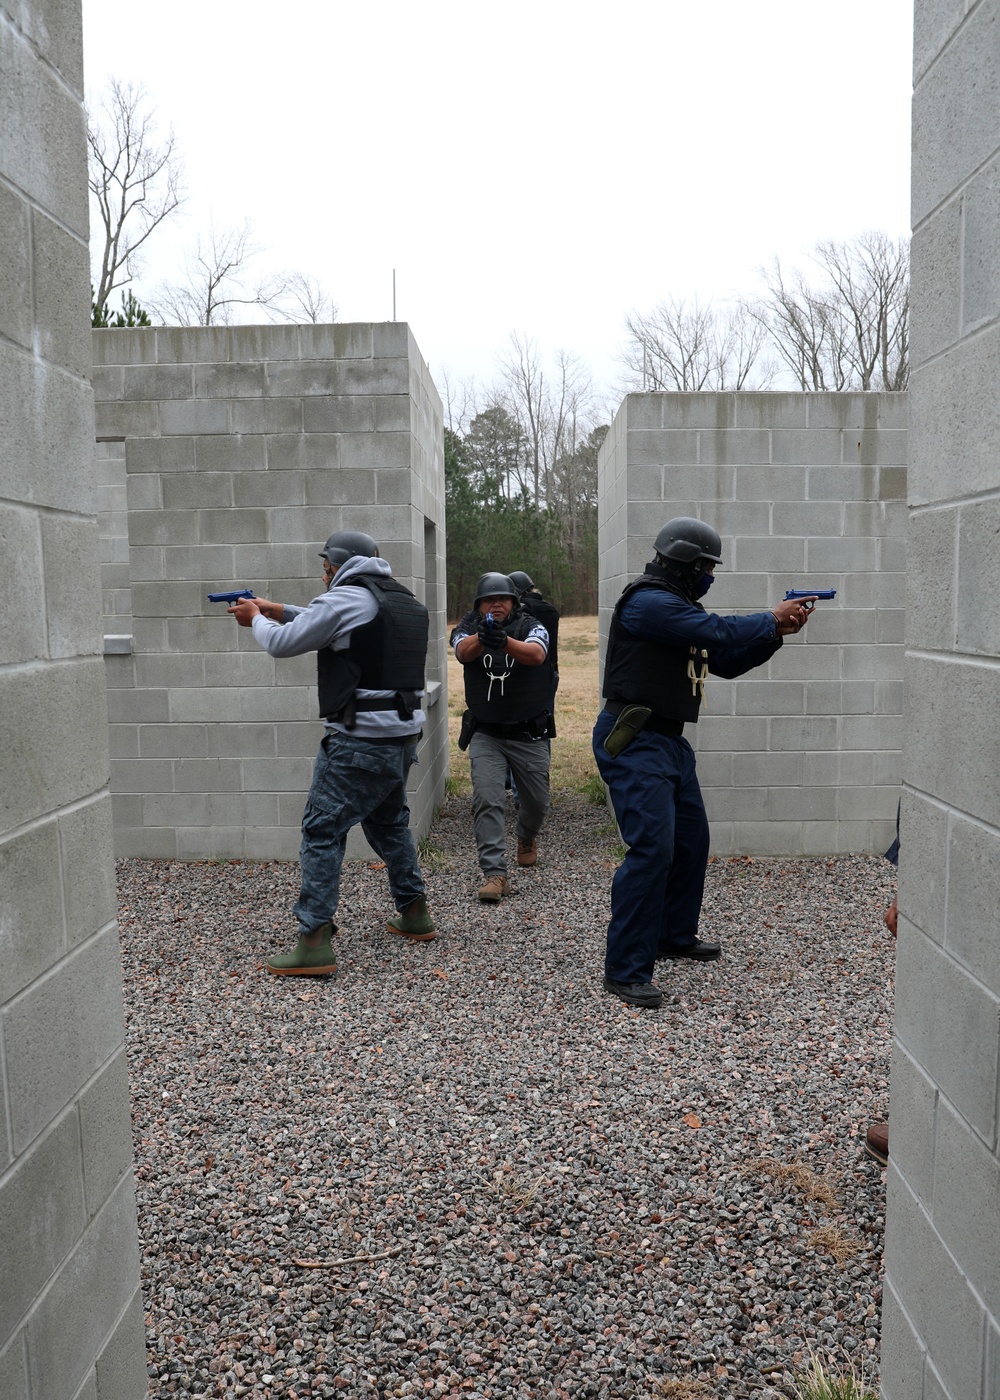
(492, 638)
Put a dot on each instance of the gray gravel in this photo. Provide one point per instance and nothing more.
(571, 1198)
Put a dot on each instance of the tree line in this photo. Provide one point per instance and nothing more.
(521, 453)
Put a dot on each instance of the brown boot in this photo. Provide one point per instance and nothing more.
(877, 1143)
(494, 889)
(527, 850)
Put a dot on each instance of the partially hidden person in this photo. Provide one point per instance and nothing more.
(503, 652)
(877, 1136)
(369, 634)
(662, 647)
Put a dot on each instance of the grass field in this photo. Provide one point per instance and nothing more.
(577, 704)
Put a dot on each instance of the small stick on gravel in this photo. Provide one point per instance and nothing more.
(355, 1259)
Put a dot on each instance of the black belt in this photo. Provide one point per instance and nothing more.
(672, 728)
(526, 729)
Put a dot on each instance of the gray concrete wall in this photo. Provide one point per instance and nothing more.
(71, 1320)
(800, 756)
(941, 1309)
(227, 456)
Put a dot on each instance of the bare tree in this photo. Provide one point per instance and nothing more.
(306, 300)
(851, 329)
(551, 410)
(218, 282)
(135, 182)
(684, 348)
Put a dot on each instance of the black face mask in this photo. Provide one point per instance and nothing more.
(703, 585)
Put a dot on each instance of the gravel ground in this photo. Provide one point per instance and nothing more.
(551, 1194)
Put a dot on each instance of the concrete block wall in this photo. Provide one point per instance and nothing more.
(228, 455)
(941, 1308)
(807, 490)
(71, 1319)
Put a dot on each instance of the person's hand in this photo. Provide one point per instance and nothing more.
(492, 638)
(245, 610)
(274, 611)
(791, 615)
(889, 918)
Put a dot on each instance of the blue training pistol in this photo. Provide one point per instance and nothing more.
(231, 597)
(810, 593)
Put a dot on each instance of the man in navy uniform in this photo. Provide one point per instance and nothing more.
(662, 645)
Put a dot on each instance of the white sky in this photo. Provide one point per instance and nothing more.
(542, 167)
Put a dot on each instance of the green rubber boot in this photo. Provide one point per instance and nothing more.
(414, 923)
(320, 961)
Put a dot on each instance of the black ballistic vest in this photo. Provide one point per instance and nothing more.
(387, 653)
(637, 671)
(498, 689)
(548, 615)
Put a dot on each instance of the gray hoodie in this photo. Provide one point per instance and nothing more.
(328, 621)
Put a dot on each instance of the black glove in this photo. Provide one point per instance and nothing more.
(492, 638)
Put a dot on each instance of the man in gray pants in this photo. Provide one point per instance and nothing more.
(503, 651)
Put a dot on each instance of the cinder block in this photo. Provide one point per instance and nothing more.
(168, 598)
(291, 806)
(277, 774)
(88, 874)
(720, 732)
(186, 491)
(156, 671)
(393, 414)
(871, 731)
(145, 842)
(801, 733)
(206, 562)
(258, 706)
(830, 624)
(123, 740)
(157, 454)
(238, 740)
(231, 381)
(867, 804)
(121, 1365)
(902, 1352)
(892, 481)
(739, 446)
(135, 345)
(951, 447)
(230, 453)
(847, 483)
(21, 575)
(37, 445)
(819, 769)
(206, 775)
(13, 1369)
(771, 483)
(948, 1022)
(715, 769)
(59, 283)
(978, 577)
(795, 804)
(272, 843)
(212, 633)
(769, 697)
(736, 804)
(156, 527)
(912, 1109)
(819, 447)
(172, 741)
(393, 487)
(770, 555)
(296, 670)
(246, 668)
(766, 409)
(270, 488)
(141, 775)
(349, 341)
(873, 448)
(261, 416)
(767, 769)
(844, 555)
(955, 113)
(182, 345)
(822, 838)
(890, 625)
(733, 518)
(105, 1131)
(952, 771)
(342, 413)
(767, 838)
(261, 809)
(69, 550)
(65, 704)
(155, 383)
(193, 417)
(334, 377)
(933, 25)
(883, 662)
(59, 1031)
(822, 518)
(64, 1338)
(117, 419)
(262, 342)
(15, 273)
(341, 486)
(972, 930)
(203, 704)
(295, 560)
(232, 527)
(936, 1296)
(210, 842)
(39, 1227)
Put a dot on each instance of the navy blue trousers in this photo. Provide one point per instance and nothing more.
(657, 890)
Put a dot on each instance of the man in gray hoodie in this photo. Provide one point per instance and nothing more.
(370, 638)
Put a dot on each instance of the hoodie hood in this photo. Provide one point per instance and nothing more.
(358, 564)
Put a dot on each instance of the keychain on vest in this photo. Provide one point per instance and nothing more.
(698, 678)
(488, 663)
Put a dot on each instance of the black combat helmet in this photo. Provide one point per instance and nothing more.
(684, 540)
(345, 544)
(521, 581)
(495, 586)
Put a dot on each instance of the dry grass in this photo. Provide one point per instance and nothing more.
(841, 1245)
(513, 1188)
(674, 1389)
(577, 704)
(808, 1183)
